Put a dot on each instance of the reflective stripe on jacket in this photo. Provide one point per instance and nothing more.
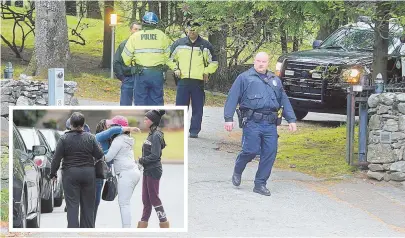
(193, 59)
(147, 47)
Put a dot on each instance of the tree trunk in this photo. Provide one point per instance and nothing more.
(154, 7)
(51, 37)
(164, 12)
(71, 8)
(108, 9)
(295, 43)
(328, 27)
(82, 8)
(142, 10)
(323, 31)
(172, 10)
(179, 14)
(283, 39)
(220, 77)
(380, 52)
(93, 10)
(134, 10)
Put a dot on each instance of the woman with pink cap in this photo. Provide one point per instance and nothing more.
(105, 131)
(126, 168)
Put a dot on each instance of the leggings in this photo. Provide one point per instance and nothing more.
(150, 197)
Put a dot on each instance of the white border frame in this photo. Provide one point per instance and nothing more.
(92, 230)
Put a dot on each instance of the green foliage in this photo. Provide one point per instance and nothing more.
(4, 204)
(27, 117)
(50, 124)
(132, 121)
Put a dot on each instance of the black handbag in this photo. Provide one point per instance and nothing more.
(110, 189)
(101, 168)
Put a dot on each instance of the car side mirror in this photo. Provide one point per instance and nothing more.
(38, 150)
(402, 39)
(316, 44)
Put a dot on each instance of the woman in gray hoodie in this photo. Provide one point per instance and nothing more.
(126, 169)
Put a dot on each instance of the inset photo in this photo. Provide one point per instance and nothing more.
(98, 167)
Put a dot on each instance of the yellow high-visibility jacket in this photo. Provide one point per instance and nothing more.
(147, 47)
(193, 59)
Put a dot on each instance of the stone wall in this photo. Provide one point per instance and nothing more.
(24, 93)
(386, 144)
(28, 93)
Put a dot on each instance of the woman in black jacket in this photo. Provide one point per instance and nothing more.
(78, 149)
(152, 165)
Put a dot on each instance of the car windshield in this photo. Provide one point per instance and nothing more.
(352, 38)
(30, 137)
(50, 138)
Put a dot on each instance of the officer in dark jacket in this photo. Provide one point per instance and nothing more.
(262, 101)
(125, 73)
(151, 162)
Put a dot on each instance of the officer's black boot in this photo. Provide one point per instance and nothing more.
(236, 179)
(193, 135)
(261, 189)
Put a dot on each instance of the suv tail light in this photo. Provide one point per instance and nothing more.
(39, 161)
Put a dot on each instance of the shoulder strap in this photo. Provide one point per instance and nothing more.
(273, 87)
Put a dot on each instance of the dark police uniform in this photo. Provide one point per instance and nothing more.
(259, 96)
(126, 74)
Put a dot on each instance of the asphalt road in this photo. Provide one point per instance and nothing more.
(171, 194)
(300, 205)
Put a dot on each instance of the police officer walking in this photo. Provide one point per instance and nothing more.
(262, 101)
(192, 59)
(148, 50)
(125, 73)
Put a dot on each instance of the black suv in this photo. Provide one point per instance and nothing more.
(314, 79)
(26, 184)
(33, 137)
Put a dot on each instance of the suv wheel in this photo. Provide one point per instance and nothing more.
(300, 114)
(23, 211)
(35, 223)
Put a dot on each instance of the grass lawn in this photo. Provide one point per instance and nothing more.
(313, 149)
(4, 205)
(319, 151)
(174, 149)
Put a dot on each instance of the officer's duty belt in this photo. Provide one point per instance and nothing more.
(157, 67)
(258, 116)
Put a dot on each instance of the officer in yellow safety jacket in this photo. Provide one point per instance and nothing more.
(148, 50)
(192, 59)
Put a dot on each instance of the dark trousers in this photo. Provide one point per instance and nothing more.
(150, 196)
(127, 91)
(99, 187)
(149, 88)
(258, 138)
(80, 190)
(195, 92)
